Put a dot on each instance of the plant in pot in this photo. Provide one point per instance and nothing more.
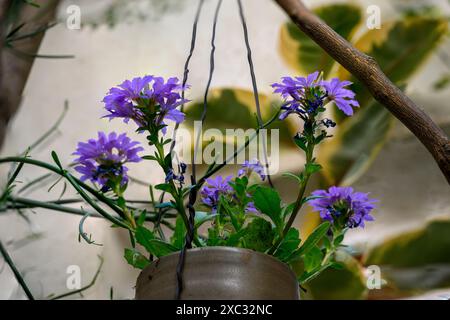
(231, 237)
(238, 240)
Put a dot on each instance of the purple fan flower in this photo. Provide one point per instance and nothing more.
(138, 98)
(252, 166)
(251, 208)
(343, 98)
(102, 160)
(343, 206)
(295, 87)
(215, 188)
(297, 95)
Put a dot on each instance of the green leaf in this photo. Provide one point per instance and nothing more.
(293, 176)
(313, 259)
(203, 217)
(314, 238)
(259, 235)
(165, 205)
(136, 259)
(311, 275)
(56, 159)
(179, 233)
(301, 142)
(164, 187)
(147, 239)
(312, 168)
(268, 201)
(144, 235)
(141, 220)
(235, 238)
(150, 157)
(332, 284)
(289, 244)
(338, 240)
(302, 53)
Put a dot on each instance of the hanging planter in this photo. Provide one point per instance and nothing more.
(221, 273)
(243, 234)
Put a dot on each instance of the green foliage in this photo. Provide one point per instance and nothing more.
(289, 244)
(179, 233)
(347, 282)
(312, 261)
(313, 240)
(154, 246)
(136, 259)
(268, 201)
(258, 235)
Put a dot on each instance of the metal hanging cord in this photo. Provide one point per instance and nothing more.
(194, 191)
(255, 87)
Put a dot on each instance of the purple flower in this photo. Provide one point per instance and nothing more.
(144, 98)
(102, 160)
(343, 98)
(214, 189)
(252, 166)
(251, 208)
(300, 94)
(295, 87)
(343, 206)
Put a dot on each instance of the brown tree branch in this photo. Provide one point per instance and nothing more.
(14, 68)
(367, 70)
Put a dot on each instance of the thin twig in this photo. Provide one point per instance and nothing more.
(15, 271)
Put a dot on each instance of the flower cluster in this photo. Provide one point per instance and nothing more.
(305, 96)
(146, 100)
(103, 160)
(226, 187)
(343, 206)
(214, 189)
(248, 167)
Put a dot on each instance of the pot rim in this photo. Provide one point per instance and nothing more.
(230, 249)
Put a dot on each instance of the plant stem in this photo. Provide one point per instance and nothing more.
(301, 194)
(16, 272)
(78, 186)
(98, 195)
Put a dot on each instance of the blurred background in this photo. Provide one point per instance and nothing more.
(42, 68)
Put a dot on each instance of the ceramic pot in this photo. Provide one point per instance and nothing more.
(219, 273)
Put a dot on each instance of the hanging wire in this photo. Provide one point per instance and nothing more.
(255, 87)
(183, 92)
(194, 191)
(186, 67)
